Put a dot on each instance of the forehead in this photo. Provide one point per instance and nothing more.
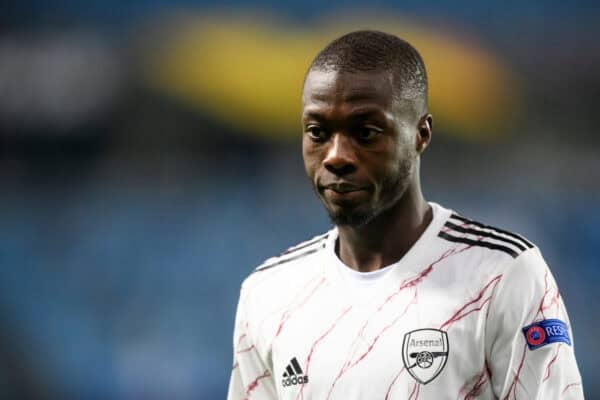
(332, 88)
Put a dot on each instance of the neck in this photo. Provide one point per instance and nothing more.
(387, 238)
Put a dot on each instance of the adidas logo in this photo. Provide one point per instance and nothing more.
(293, 374)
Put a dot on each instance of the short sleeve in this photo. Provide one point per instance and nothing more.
(250, 378)
(529, 339)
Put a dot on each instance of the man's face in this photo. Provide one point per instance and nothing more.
(359, 143)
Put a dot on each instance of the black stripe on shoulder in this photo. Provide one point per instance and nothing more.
(507, 233)
(479, 243)
(278, 261)
(305, 244)
(479, 232)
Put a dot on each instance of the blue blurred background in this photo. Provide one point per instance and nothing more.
(150, 159)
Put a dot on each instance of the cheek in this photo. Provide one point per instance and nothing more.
(405, 150)
(389, 163)
(312, 158)
(395, 169)
(310, 165)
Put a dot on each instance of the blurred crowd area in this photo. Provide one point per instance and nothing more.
(150, 159)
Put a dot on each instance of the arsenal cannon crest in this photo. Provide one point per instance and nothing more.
(424, 353)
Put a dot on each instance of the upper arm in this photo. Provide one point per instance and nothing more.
(528, 295)
(250, 376)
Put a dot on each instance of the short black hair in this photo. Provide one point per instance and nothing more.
(375, 51)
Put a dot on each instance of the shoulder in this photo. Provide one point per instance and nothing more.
(295, 253)
(515, 263)
(491, 240)
(278, 279)
(295, 260)
(481, 251)
(524, 282)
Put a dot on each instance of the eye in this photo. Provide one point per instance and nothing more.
(367, 133)
(316, 133)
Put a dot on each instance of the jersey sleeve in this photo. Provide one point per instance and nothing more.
(250, 377)
(529, 340)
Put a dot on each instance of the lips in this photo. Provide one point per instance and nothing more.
(343, 187)
(343, 193)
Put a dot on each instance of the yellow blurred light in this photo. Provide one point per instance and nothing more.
(249, 73)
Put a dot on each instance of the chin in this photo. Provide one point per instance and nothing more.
(350, 218)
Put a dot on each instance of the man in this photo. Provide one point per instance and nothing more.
(403, 299)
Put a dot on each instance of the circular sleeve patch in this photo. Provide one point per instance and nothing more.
(535, 336)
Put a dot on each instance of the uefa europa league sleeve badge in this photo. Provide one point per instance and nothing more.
(424, 353)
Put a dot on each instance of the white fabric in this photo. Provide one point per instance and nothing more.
(362, 280)
(347, 338)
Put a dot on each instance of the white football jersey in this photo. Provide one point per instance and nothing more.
(470, 312)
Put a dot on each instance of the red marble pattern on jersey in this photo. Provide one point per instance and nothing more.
(254, 384)
(475, 304)
(552, 293)
(288, 313)
(284, 318)
(415, 280)
(281, 310)
(349, 364)
(474, 387)
(385, 328)
(387, 395)
(466, 309)
(314, 347)
(288, 305)
(412, 282)
(239, 343)
(512, 389)
(415, 392)
(547, 375)
(244, 350)
(549, 292)
(570, 385)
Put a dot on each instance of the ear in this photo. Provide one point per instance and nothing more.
(425, 128)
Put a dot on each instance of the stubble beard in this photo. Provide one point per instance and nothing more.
(392, 190)
(351, 219)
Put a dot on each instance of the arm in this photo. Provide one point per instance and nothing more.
(529, 341)
(250, 377)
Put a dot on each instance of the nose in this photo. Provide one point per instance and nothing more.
(340, 158)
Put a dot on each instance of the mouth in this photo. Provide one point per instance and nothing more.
(343, 187)
(343, 193)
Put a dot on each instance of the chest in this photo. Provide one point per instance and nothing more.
(395, 342)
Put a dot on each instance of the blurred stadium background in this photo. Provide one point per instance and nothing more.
(150, 158)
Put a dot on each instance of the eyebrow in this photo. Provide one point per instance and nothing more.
(359, 113)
